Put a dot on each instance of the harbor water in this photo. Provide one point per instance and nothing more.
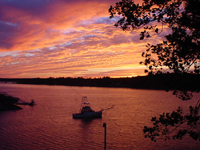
(49, 124)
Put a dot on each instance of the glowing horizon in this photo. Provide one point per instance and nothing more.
(66, 38)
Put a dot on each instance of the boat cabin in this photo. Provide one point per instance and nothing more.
(86, 109)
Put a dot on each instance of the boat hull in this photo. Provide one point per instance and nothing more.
(87, 115)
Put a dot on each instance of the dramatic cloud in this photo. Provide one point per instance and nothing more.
(43, 38)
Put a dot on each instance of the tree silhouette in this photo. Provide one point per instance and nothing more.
(179, 53)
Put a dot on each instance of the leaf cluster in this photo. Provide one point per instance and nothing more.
(180, 51)
(183, 94)
(169, 124)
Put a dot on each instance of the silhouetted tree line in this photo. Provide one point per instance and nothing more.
(158, 81)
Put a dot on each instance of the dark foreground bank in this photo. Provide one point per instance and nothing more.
(8, 102)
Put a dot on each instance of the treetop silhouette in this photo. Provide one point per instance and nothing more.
(179, 52)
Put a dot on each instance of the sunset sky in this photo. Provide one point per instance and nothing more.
(66, 38)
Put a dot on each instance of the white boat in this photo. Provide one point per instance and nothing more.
(86, 111)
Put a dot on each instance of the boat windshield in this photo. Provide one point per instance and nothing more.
(86, 109)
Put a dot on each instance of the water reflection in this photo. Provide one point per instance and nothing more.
(89, 120)
(49, 124)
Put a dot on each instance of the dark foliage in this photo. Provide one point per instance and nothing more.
(180, 49)
(176, 119)
(179, 53)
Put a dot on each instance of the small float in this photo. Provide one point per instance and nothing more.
(86, 111)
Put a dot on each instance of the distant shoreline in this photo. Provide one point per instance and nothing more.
(159, 82)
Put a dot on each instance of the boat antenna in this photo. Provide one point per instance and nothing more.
(76, 91)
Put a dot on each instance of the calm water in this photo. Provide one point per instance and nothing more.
(49, 124)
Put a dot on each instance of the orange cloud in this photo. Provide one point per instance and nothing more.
(63, 38)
